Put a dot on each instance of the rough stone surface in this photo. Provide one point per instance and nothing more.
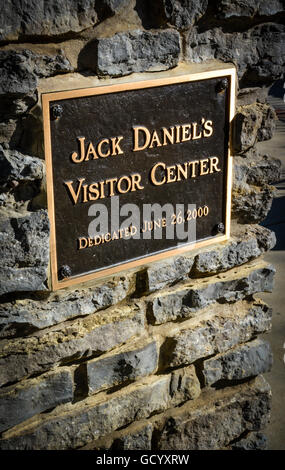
(257, 52)
(17, 85)
(215, 420)
(139, 439)
(23, 279)
(184, 385)
(225, 328)
(73, 426)
(91, 419)
(250, 8)
(145, 341)
(246, 125)
(205, 417)
(267, 62)
(252, 194)
(252, 123)
(136, 436)
(23, 316)
(268, 124)
(244, 361)
(107, 8)
(10, 132)
(19, 71)
(253, 441)
(185, 301)
(158, 275)
(121, 367)
(18, 168)
(24, 249)
(248, 96)
(251, 203)
(256, 169)
(98, 333)
(182, 13)
(17, 77)
(20, 402)
(247, 242)
(44, 65)
(22, 19)
(136, 51)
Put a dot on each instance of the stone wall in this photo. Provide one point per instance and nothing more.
(153, 357)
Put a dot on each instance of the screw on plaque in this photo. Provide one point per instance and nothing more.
(56, 111)
(64, 272)
(220, 228)
(222, 85)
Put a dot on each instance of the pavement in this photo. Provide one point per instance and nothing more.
(275, 220)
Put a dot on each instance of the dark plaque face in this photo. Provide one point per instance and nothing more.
(136, 172)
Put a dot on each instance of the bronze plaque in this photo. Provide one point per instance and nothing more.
(136, 172)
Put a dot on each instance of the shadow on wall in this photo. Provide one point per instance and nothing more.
(276, 219)
(278, 89)
(88, 57)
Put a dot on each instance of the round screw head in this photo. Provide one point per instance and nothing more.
(64, 272)
(220, 228)
(56, 111)
(222, 85)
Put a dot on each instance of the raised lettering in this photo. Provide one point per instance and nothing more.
(145, 131)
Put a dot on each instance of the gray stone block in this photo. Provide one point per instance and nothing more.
(246, 242)
(92, 418)
(186, 300)
(252, 194)
(106, 8)
(19, 72)
(257, 52)
(10, 132)
(139, 439)
(221, 331)
(136, 51)
(268, 124)
(98, 333)
(244, 361)
(253, 123)
(19, 168)
(158, 275)
(216, 419)
(20, 402)
(251, 204)
(137, 436)
(23, 279)
(21, 19)
(248, 96)
(184, 385)
(17, 75)
(250, 8)
(253, 441)
(27, 315)
(182, 13)
(120, 367)
(256, 169)
(24, 249)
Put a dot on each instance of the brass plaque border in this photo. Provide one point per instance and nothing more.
(47, 98)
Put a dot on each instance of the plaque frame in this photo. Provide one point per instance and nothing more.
(226, 70)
